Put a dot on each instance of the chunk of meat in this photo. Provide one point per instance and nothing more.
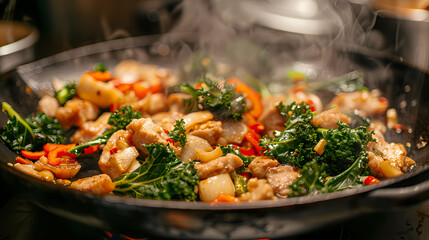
(175, 102)
(118, 155)
(270, 116)
(48, 105)
(259, 165)
(329, 118)
(211, 131)
(76, 112)
(393, 153)
(280, 178)
(151, 104)
(68, 167)
(167, 119)
(145, 132)
(365, 102)
(233, 132)
(258, 189)
(225, 164)
(130, 71)
(91, 129)
(99, 184)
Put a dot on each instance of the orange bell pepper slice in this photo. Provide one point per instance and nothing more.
(100, 76)
(23, 160)
(32, 155)
(223, 197)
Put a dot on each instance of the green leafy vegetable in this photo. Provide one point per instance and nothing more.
(311, 182)
(179, 133)
(222, 101)
(236, 151)
(162, 176)
(119, 120)
(295, 144)
(100, 67)
(32, 132)
(66, 93)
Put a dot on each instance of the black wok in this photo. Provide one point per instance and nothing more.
(405, 86)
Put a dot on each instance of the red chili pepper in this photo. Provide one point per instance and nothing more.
(256, 126)
(56, 151)
(91, 149)
(245, 174)
(113, 150)
(32, 155)
(166, 131)
(114, 107)
(312, 105)
(382, 100)
(248, 152)
(170, 140)
(253, 138)
(23, 160)
(371, 180)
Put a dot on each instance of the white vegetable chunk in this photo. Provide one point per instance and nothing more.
(211, 187)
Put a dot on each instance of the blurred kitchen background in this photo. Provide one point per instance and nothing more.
(34, 29)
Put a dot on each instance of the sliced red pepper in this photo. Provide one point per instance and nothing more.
(312, 105)
(256, 126)
(23, 160)
(170, 140)
(54, 156)
(245, 174)
(91, 149)
(114, 107)
(113, 150)
(382, 100)
(155, 88)
(371, 180)
(247, 152)
(253, 138)
(32, 155)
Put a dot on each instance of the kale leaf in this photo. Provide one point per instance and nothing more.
(162, 176)
(119, 120)
(179, 133)
(222, 101)
(236, 151)
(311, 182)
(66, 93)
(32, 132)
(295, 144)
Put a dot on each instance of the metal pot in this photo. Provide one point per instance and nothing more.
(198, 220)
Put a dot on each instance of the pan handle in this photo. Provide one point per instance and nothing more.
(390, 198)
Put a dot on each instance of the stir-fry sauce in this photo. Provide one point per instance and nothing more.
(217, 140)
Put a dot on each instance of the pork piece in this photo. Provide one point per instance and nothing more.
(151, 104)
(167, 119)
(233, 132)
(99, 184)
(175, 102)
(258, 189)
(270, 116)
(280, 178)
(91, 130)
(329, 118)
(365, 102)
(48, 105)
(211, 131)
(394, 154)
(28, 169)
(76, 112)
(145, 132)
(118, 156)
(259, 165)
(225, 164)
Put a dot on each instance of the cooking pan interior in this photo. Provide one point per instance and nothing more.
(402, 84)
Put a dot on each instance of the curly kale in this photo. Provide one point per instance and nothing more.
(32, 132)
(222, 101)
(66, 93)
(162, 176)
(179, 133)
(236, 151)
(119, 120)
(295, 144)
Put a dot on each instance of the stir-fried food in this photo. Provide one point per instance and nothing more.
(217, 140)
